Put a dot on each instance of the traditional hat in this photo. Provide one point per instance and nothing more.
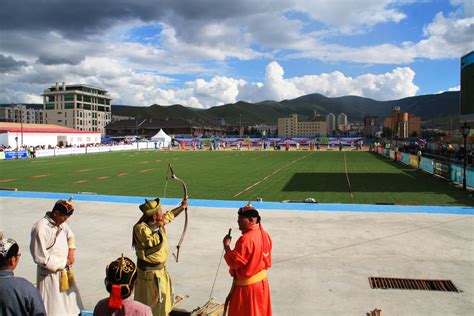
(120, 276)
(8, 247)
(64, 207)
(150, 208)
(248, 211)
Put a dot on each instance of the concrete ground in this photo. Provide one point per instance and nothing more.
(321, 259)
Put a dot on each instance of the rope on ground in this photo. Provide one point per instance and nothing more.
(370, 240)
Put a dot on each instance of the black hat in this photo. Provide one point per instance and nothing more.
(123, 273)
(248, 211)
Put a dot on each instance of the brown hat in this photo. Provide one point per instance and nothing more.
(150, 208)
(64, 207)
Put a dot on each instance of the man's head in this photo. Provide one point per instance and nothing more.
(248, 216)
(9, 253)
(120, 277)
(61, 211)
(151, 209)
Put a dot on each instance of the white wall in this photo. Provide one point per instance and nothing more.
(46, 139)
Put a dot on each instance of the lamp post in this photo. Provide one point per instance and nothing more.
(465, 129)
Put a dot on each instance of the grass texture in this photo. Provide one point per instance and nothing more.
(328, 177)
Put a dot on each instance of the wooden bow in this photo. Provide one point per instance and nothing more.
(185, 193)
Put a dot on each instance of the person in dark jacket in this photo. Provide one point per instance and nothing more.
(17, 295)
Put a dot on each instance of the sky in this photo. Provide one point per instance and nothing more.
(205, 53)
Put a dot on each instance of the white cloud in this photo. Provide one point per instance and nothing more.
(389, 86)
(191, 40)
(350, 15)
(143, 89)
(447, 37)
(466, 7)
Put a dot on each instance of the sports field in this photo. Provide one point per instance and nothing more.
(328, 177)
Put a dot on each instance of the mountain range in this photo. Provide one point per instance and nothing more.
(433, 107)
(435, 110)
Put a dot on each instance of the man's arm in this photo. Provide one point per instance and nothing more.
(40, 253)
(176, 211)
(71, 244)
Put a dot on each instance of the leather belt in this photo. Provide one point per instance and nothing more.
(148, 266)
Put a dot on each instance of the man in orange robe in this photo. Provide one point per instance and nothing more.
(248, 264)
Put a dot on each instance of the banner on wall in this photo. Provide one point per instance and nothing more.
(426, 165)
(441, 169)
(414, 161)
(23, 154)
(457, 175)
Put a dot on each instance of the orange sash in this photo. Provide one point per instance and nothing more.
(253, 279)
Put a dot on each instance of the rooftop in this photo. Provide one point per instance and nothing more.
(36, 128)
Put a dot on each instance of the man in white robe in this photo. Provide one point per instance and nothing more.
(52, 247)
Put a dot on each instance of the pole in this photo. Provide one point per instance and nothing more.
(391, 126)
(21, 121)
(16, 140)
(464, 165)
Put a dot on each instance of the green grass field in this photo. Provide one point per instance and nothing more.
(236, 175)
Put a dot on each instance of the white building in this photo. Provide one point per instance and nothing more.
(331, 123)
(342, 122)
(81, 107)
(16, 134)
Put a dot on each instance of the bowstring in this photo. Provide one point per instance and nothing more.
(166, 182)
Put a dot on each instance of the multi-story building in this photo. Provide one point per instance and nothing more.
(331, 124)
(79, 106)
(403, 124)
(19, 113)
(342, 122)
(291, 127)
(371, 125)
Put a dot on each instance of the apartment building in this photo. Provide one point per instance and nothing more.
(20, 113)
(331, 124)
(342, 122)
(78, 106)
(291, 127)
(403, 124)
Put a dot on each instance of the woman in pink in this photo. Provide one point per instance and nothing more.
(248, 264)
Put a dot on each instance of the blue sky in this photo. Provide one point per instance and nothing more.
(208, 53)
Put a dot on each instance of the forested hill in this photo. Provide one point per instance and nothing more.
(428, 107)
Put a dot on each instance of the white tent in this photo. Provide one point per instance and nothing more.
(161, 139)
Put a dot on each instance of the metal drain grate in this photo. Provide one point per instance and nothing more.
(412, 284)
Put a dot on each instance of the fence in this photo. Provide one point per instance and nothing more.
(440, 168)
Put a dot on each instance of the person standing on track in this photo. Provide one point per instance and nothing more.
(248, 264)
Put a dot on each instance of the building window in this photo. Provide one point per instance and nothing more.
(69, 106)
